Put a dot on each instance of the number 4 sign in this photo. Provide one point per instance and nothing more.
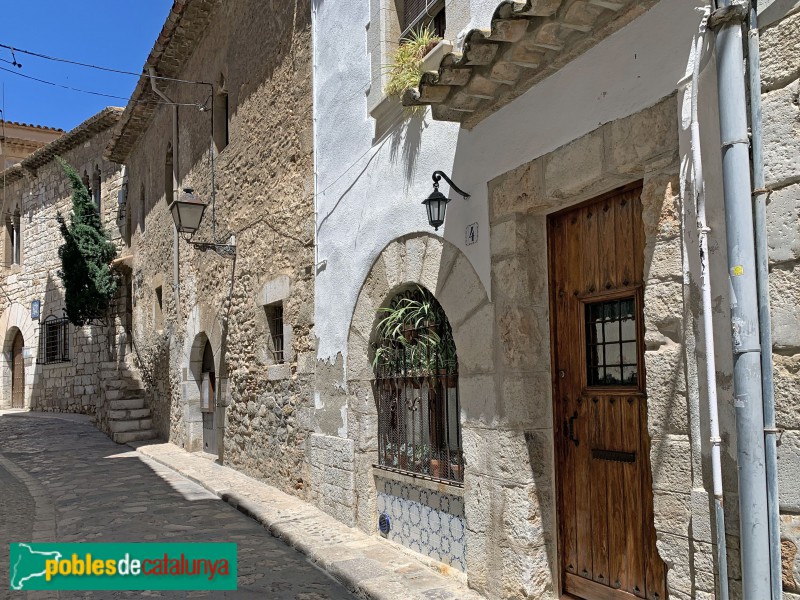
(471, 234)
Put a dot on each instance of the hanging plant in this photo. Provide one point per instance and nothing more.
(86, 255)
(406, 68)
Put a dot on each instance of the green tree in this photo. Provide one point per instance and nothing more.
(86, 255)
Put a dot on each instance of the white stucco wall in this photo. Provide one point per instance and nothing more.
(369, 191)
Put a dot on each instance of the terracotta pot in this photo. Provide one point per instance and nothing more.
(438, 468)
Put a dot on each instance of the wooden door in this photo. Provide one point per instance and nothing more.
(17, 373)
(607, 538)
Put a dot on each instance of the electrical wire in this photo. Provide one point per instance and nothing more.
(66, 87)
(98, 67)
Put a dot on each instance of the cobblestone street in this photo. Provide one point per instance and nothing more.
(65, 481)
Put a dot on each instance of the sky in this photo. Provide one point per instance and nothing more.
(110, 33)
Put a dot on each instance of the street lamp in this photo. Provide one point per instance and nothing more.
(436, 203)
(187, 212)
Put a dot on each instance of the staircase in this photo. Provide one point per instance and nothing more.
(125, 415)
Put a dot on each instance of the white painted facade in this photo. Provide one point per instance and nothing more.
(372, 189)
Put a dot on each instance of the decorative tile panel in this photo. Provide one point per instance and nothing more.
(425, 521)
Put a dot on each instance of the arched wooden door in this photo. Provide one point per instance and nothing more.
(17, 373)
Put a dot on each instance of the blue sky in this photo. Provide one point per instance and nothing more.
(110, 33)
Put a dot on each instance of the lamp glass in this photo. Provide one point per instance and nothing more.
(436, 206)
(187, 212)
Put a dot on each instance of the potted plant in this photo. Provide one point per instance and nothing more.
(406, 68)
(439, 467)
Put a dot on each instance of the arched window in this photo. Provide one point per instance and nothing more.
(142, 209)
(86, 183)
(96, 176)
(221, 116)
(169, 176)
(13, 242)
(416, 377)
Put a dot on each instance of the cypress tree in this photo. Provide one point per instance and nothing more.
(86, 255)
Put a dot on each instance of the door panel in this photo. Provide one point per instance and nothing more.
(605, 487)
(17, 373)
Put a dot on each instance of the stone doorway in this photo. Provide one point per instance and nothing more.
(17, 372)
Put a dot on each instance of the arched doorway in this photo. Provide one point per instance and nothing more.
(207, 389)
(17, 372)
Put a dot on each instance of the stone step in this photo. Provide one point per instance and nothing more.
(136, 413)
(130, 425)
(133, 436)
(126, 403)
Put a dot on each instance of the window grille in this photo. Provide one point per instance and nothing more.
(53, 341)
(275, 322)
(419, 14)
(612, 354)
(417, 387)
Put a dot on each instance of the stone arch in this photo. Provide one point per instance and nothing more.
(429, 261)
(17, 318)
(202, 326)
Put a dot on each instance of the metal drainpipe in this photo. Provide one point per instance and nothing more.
(708, 324)
(176, 264)
(765, 324)
(753, 517)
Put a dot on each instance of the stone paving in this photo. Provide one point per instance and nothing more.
(62, 479)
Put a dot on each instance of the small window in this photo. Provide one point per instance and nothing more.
(416, 15)
(169, 176)
(142, 209)
(96, 178)
(13, 242)
(221, 116)
(86, 183)
(53, 341)
(612, 348)
(275, 323)
(158, 309)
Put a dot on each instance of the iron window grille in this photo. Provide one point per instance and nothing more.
(417, 15)
(53, 341)
(275, 322)
(416, 384)
(611, 344)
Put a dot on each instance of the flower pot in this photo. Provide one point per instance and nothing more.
(456, 472)
(403, 461)
(438, 468)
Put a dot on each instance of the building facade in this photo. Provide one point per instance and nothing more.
(48, 363)
(226, 346)
(18, 140)
(570, 279)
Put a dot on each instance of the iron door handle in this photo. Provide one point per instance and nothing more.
(569, 428)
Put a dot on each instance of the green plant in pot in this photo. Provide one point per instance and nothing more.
(406, 68)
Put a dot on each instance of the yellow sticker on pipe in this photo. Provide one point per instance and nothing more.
(738, 271)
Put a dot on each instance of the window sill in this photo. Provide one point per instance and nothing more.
(279, 372)
(423, 481)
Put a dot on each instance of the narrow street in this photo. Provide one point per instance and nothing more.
(99, 491)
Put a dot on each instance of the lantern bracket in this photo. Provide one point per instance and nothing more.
(439, 175)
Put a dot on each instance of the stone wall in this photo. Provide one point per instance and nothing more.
(41, 194)
(780, 72)
(264, 198)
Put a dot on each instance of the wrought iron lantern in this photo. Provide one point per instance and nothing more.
(187, 212)
(436, 203)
